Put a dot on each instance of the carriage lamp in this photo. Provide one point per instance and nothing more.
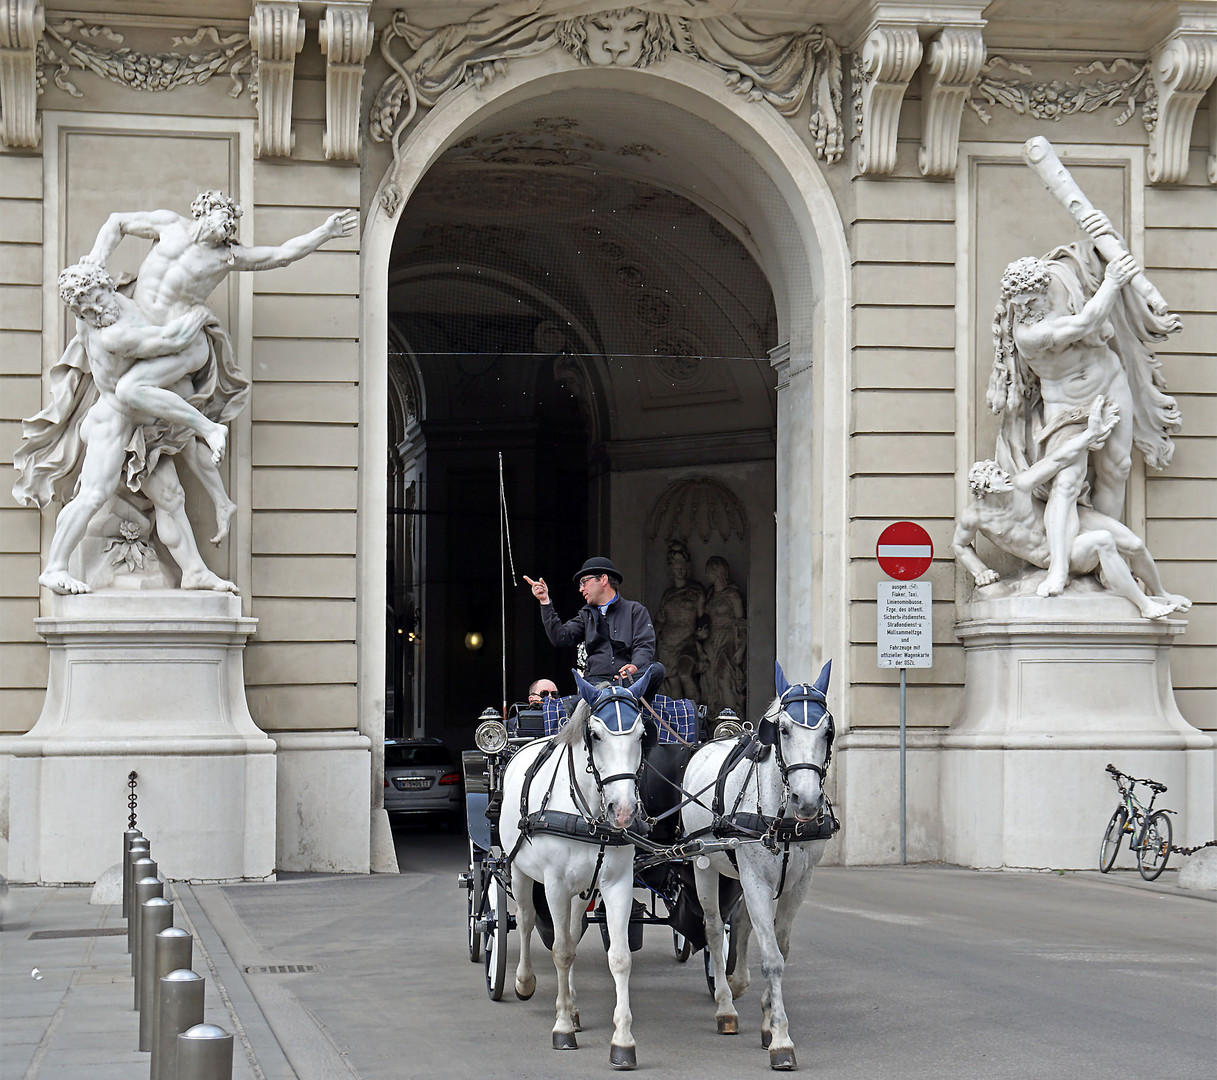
(473, 641)
(727, 725)
(491, 734)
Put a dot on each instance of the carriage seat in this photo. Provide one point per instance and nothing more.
(680, 715)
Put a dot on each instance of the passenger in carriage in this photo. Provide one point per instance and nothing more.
(618, 633)
(541, 689)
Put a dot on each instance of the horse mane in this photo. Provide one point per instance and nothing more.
(571, 733)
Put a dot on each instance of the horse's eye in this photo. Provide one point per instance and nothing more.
(785, 727)
(595, 736)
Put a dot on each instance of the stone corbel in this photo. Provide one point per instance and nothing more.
(953, 60)
(21, 25)
(890, 55)
(276, 34)
(346, 35)
(1212, 169)
(1184, 67)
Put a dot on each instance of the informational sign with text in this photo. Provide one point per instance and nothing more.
(906, 638)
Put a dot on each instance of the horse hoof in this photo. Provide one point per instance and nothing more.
(565, 1040)
(766, 1039)
(782, 1060)
(623, 1057)
(728, 1025)
(523, 994)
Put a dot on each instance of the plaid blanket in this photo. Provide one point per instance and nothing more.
(679, 716)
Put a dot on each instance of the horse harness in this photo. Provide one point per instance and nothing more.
(779, 829)
(585, 826)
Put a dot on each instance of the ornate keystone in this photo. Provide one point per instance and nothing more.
(890, 55)
(346, 35)
(21, 25)
(953, 60)
(276, 33)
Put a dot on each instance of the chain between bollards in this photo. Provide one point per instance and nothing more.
(132, 798)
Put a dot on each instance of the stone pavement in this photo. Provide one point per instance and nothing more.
(896, 972)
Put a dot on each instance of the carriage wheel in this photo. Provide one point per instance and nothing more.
(473, 903)
(494, 937)
(730, 950)
(680, 946)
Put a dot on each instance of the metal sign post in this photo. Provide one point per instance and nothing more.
(905, 634)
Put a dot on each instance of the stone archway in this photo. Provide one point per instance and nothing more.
(768, 190)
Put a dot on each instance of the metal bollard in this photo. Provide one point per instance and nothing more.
(156, 915)
(129, 837)
(138, 850)
(172, 952)
(145, 889)
(204, 1052)
(180, 996)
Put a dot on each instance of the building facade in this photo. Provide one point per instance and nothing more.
(706, 286)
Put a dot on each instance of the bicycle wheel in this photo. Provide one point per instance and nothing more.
(1111, 840)
(1155, 846)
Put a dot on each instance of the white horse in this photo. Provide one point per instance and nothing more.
(567, 802)
(767, 792)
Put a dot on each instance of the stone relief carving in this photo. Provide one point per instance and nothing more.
(1076, 386)
(346, 34)
(150, 379)
(784, 69)
(681, 627)
(698, 506)
(726, 646)
(70, 46)
(1129, 85)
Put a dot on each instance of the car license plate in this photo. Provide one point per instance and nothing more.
(411, 783)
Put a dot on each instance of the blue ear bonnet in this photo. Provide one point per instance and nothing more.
(806, 706)
(617, 709)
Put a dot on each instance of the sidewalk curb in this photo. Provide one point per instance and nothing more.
(282, 1037)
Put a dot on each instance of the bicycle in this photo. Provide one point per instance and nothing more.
(1149, 830)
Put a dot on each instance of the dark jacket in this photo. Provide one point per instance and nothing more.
(623, 635)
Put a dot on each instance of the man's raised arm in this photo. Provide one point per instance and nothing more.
(268, 258)
(146, 224)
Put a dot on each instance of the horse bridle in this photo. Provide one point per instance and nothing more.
(769, 733)
(616, 696)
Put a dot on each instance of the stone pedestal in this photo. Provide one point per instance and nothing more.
(150, 682)
(1055, 689)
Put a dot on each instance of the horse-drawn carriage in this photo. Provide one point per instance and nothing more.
(625, 798)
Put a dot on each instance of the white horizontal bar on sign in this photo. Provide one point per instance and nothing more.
(905, 551)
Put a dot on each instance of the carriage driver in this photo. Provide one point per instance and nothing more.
(618, 633)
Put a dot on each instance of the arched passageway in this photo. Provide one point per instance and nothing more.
(593, 282)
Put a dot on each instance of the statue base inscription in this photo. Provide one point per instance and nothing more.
(1055, 689)
(150, 682)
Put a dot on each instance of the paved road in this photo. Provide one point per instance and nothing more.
(895, 972)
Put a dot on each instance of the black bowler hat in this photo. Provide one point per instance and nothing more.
(598, 565)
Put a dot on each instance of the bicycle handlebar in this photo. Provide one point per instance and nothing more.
(1153, 785)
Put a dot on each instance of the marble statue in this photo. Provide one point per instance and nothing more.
(680, 625)
(1077, 323)
(1005, 510)
(726, 644)
(149, 378)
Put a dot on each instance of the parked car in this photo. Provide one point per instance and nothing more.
(422, 778)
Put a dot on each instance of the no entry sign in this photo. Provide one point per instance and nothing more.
(904, 550)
